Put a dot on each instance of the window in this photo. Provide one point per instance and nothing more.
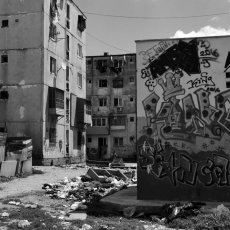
(131, 119)
(56, 98)
(89, 139)
(4, 58)
(81, 25)
(79, 50)
(131, 79)
(117, 101)
(68, 11)
(79, 80)
(118, 141)
(5, 23)
(79, 139)
(53, 66)
(99, 121)
(118, 121)
(102, 83)
(68, 16)
(102, 101)
(67, 47)
(118, 83)
(88, 107)
(131, 99)
(67, 73)
(53, 31)
(52, 135)
(67, 110)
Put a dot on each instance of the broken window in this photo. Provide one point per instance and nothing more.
(5, 23)
(102, 102)
(53, 66)
(118, 83)
(53, 31)
(81, 23)
(4, 58)
(102, 83)
(53, 10)
(118, 141)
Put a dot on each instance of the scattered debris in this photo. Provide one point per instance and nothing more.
(221, 210)
(175, 210)
(5, 214)
(85, 190)
(76, 216)
(23, 223)
(86, 227)
(129, 212)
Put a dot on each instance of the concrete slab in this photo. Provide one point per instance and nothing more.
(8, 168)
(128, 198)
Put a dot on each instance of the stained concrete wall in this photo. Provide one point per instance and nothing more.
(183, 127)
(21, 76)
(76, 64)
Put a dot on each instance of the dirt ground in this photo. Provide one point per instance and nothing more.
(33, 183)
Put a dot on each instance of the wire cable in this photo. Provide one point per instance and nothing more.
(157, 17)
(108, 43)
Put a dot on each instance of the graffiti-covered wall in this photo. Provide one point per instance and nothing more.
(183, 119)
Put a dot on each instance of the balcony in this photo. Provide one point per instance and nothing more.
(56, 102)
(95, 130)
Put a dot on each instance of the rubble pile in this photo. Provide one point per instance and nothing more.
(85, 189)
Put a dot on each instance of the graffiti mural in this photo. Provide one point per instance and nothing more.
(183, 110)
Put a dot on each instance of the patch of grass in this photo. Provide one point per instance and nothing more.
(37, 217)
(203, 222)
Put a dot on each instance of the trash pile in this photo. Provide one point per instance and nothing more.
(172, 211)
(86, 189)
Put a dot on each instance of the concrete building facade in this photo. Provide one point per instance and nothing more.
(43, 76)
(111, 88)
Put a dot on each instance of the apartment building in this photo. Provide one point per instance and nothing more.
(111, 88)
(43, 77)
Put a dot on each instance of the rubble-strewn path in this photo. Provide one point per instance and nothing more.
(35, 182)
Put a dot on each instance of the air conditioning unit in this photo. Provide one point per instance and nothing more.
(119, 109)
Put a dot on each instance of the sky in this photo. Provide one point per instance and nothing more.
(160, 19)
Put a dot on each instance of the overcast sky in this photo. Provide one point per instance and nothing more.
(105, 34)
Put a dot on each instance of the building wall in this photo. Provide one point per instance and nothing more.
(182, 119)
(27, 76)
(76, 64)
(21, 41)
(96, 73)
